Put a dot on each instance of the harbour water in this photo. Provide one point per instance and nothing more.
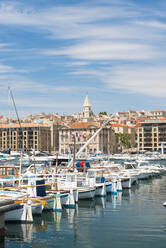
(133, 218)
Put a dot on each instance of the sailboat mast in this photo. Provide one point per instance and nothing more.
(9, 109)
(11, 94)
(20, 145)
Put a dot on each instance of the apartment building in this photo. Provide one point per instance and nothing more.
(150, 134)
(28, 136)
(158, 113)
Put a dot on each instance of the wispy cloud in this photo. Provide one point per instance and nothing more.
(145, 80)
(23, 84)
(104, 50)
(77, 63)
(10, 69)
(116, 42)
(153, 24)
(16, 14)
(2, 45)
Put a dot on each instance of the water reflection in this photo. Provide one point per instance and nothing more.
(100, 202)
(115, 201)
(71, 215)
(49, 217)
(86, 204)
(2, 242)
(58, 217)
(26, 232)
(19, 232)
(126, 195)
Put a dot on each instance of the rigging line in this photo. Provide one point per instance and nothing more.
(11, 94)
(20, 128)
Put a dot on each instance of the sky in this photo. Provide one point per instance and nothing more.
(54, 52)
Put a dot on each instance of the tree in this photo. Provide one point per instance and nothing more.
(123, 140)
(103, 113)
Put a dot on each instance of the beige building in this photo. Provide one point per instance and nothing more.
(78, 133)
(158, 113)
(28, 136)
(131, 130)
(150, 134)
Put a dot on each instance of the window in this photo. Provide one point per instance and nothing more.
(147, 129)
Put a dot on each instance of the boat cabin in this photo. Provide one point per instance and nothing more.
(9, 171)
(130, 165)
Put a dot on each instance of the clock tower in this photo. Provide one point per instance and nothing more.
(87, 112)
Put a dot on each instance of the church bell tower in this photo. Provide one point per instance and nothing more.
(87, 112)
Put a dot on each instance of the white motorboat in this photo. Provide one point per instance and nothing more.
(24, 212)
(88, 193)
(77, 182)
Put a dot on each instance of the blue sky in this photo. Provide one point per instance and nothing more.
(52, 52)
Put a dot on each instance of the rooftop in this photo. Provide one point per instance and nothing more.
(81, 125)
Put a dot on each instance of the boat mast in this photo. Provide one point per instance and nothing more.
(20, 128)
(11, 94)
(9, 109)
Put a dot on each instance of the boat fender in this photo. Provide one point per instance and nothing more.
(102, 179)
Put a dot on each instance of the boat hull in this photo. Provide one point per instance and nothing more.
(22, 214)
(126, 183)
(86, 193)
(100, 190)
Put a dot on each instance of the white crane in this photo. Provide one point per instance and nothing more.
(89, 140)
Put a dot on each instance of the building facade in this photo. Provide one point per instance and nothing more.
(131, 130)
(27, 137)
(77, 134)
(151, 133)
(158, 113)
